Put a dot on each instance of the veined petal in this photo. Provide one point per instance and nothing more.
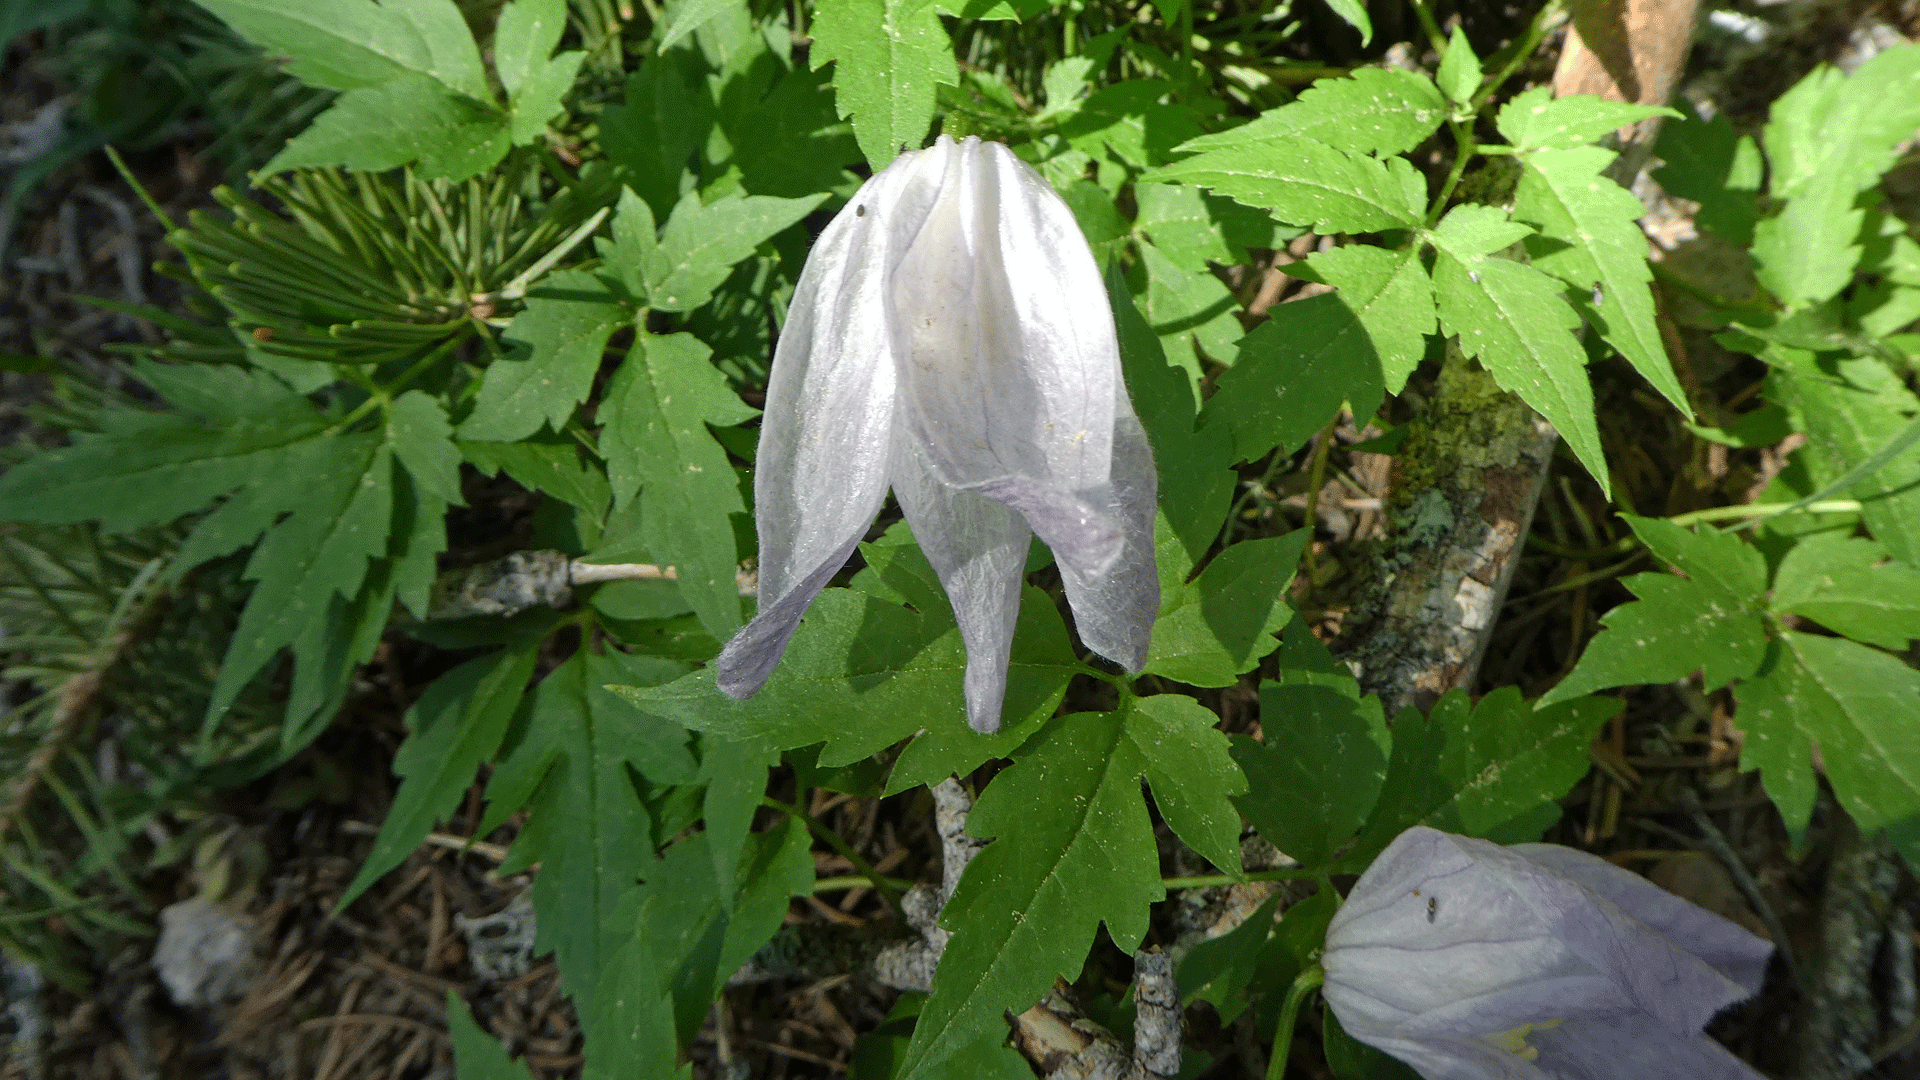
(978, 546)
(1114, 608)
(821, 469)
(1609, 1050)
(1008, 359)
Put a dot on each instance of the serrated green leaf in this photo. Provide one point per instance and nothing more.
(540, 99)
(665, 121)
(454, 726)
(1304, 182)
(862, 674)
(329, 649)
(1192, 774)
(559, 341)
(1218, 970)
(418, 536)
(423, 441)
(1829, 138)
(1709, 619)
(352, 44)
(550, 464)
(1513, 319)
(684, 18)
(1311, 355)
(567, 765)
(1715, 166)
(700, 244)
(655, 440)
(1355, 14)
(735, 775)
(1850, 409)
(789, 142)
(1471, 231)
(1849, 585)
(1536, 120)
(887, 55)
(476, 1054)
(524, 36)
(1857, 704)
(1219, 625)
(152, 467)
(1194, 228)
(1459, 74)
(1380, 111)
(1475, 773)
(255, 507)
(320, 550)
(1130, 119)
(1184, 305)
(1323, 755)
(1073, 848)
(1196, 480)
(1601, 251)
(398, 123)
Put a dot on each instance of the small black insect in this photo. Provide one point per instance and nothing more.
(860, 210)
(1433, 907)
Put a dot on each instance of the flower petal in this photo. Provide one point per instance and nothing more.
(979, 548)
(1609, 1050)
(1736, 953)
(1114, 609)
(1008, 359)
(821, 469)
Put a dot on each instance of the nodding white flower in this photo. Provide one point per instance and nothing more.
(950, 338)
(1472, 961)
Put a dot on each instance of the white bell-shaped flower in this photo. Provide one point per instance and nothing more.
(950, 338)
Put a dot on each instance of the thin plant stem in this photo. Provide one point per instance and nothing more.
(882, 885)
(1536, 31)
(1466, 146)
(1210, 881)
(1317, 478)
(1308, 981)
(1425, 14)
(854, 881)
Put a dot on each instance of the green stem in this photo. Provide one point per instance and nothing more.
(1432, 28)
(1307, 983)
(882, 885)
(842, 884)
(1764, 510)
(1466, 146)
(1536, 32)
(380, 397)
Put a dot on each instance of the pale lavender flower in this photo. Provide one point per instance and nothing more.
(1472, 961)
(950, 337)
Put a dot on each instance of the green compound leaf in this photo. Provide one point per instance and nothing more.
(1513, 319)
(863, 673)
(1323, 760)
(1311, 355)
(321, 549)
(1491, 770)
(1709, 619)
(1849, 585)
(408, 121)
(1193, 228)
(456, 725)
(149, 467)
(559, 341)
(526, 34)
(665, 120)
(1187, 306)
(655, 440)
(1222, 623)
(1191, 770)
(1828, 139)
(1073, 848)
(700, 244)
(566, 761)
(354, 44)
(1355, 14)
(1304, 182)
(1382, 111)
(1536, 120)
(1196, 478)
(1459, 75)
(1715, 166)
(422, 439)
(1130, 119)
(550, 464)
(1850, 409)
(1600, 251)
(1857, 704)
(887, 56)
